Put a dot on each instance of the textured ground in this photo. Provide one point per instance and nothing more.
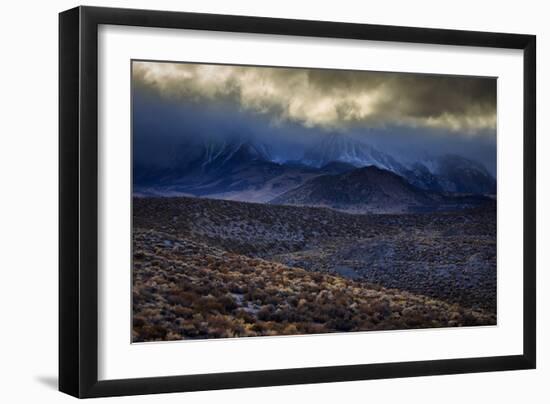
(210, 269)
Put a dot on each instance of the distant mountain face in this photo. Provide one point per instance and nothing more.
(216, 155)
(448, 173)
(236, 170)
(465, 176)
(451, 173)
(342, 148)
(243, 170)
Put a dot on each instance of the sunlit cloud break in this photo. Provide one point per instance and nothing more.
(331, 99)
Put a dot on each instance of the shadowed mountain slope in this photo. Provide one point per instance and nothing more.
(371, 190)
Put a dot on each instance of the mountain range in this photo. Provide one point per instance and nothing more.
(373, 190)
(241, 171)
(446, 173)
(338, 172)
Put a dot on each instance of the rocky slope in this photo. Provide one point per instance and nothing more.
(184, 289)
(447, 256)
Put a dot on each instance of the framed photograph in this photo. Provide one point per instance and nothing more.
(251, 201)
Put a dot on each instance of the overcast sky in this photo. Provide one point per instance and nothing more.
(332, 98)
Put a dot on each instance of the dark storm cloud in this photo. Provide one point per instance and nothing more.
(332, 99)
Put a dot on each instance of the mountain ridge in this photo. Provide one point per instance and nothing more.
(243, 170)
(371, 190)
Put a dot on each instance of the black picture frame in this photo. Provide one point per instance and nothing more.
(78, 201)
